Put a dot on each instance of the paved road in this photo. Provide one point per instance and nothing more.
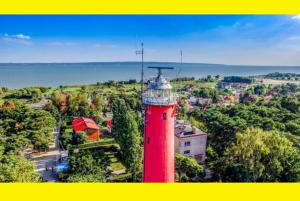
(49, 157)
(41, 160)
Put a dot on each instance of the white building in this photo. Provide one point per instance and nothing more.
(203, 101)
(190, 140)
(193, 100)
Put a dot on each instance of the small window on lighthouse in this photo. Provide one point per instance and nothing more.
(164, 116)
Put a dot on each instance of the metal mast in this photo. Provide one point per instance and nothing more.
(141, 52)
(181, 57)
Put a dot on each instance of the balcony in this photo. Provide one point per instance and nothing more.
(159, 97)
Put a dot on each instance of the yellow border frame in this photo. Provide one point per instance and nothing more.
(149, 6)
(153, 192)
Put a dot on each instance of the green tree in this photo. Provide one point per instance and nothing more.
(211, 157)
(16, 143)
(79, 138)
(264, 155)
(15, 168)
(24, 126)
(126, 132)
(291, 103)
(84, 109)
(56, 98)
(84, 178)
(2, 142)
(259, 89)
(222, 128)
(53, 110)
(98, 102)
(293, 126)
(188, 169)
(185, 108)
(88, 166)
(66, 137)
(78, 105)
(197, 123)
(236, 173)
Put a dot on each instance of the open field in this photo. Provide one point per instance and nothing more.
(278, 82)
(196, 83)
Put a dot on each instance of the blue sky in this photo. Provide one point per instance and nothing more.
(226, 39)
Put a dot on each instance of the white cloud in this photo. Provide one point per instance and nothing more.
(294, 38)
(60, 43)
(22, 36)
(99, 45)
(296, 17)
(16, 39)
(18, 36)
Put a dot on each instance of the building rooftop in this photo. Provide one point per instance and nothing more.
(183, 129)
(81, 123)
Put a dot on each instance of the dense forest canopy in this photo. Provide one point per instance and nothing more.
(234, 79)
(22, 127)
(282, 76)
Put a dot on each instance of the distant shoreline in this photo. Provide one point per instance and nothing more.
(145, 62)
(56, 74)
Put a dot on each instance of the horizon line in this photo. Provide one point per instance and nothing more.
(176, 62)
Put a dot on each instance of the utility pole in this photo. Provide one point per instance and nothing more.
(141, 52)
(181, 57)
(179, 71)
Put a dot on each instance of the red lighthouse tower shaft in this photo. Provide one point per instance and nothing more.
(159, 144)
(160, 110)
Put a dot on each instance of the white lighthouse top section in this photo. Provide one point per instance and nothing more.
(159, 91)
(160, 83)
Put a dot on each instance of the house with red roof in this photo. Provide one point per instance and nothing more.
(269, 95)
(109, 125)
(88, 126)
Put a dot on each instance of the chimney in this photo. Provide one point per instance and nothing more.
(194, 129)
(182, 125)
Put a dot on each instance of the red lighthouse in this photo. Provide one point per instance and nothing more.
(160, 110)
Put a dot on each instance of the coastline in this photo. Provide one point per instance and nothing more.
(56, 74)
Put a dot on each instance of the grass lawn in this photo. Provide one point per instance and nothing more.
(196, 83)
(100, 143)
(210, 84)
(72, 89)
(106, 141)
(50, 91)
(115, 162)
(120, 178)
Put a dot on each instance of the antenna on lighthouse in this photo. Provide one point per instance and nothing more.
(141, 52)
(160, 68)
